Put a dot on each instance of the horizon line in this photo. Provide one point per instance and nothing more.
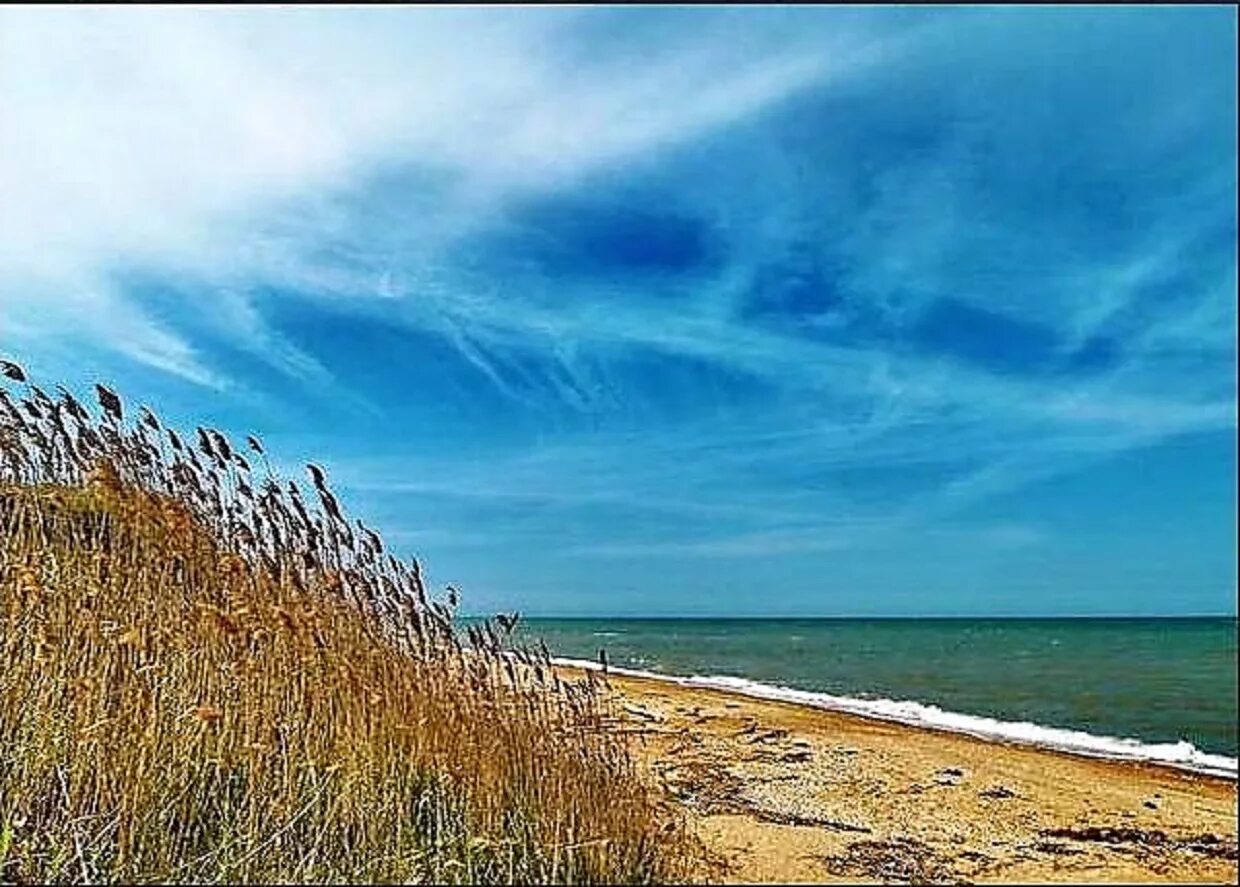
(840, 617)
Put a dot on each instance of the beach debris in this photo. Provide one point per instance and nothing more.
(975, 856)
(710, 787)
(896, 860)
(1212, 845)
(1135, 840)
(949, 776)
(797, 756)
(783, 817)
(1150, 804)
(768, 736)
(704, 786)
(1057, 848)
(997, 791)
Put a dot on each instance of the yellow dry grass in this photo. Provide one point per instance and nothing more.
(177, 708)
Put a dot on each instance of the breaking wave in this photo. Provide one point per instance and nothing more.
(1182, 754)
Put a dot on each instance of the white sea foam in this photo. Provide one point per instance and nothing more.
(1182, 754)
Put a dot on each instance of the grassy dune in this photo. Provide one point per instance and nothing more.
(204, 678)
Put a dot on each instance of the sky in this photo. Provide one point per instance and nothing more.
(667, 311)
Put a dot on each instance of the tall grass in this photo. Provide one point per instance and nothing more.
(206, 677)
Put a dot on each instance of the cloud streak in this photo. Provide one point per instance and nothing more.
(619, 279)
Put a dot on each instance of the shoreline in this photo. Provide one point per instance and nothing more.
(779, 791)
(910, 713)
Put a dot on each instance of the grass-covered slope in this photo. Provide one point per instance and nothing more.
(198, 687)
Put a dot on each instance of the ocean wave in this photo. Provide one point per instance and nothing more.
(1182, 754)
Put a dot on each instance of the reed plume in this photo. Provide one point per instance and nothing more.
(204, 676)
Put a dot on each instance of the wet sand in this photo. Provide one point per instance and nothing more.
(778, 792)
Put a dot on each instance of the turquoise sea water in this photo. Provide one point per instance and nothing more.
(1154, 680)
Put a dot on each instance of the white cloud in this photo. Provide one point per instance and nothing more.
(168, 138)
(224, 146)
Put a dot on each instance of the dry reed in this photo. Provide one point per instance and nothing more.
(207, 676)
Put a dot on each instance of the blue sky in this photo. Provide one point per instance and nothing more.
(668, 311)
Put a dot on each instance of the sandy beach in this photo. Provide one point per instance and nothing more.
(778, 792)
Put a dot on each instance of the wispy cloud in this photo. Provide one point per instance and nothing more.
(201, 142)
(620, 279)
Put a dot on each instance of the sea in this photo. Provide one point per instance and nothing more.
(1131, 688)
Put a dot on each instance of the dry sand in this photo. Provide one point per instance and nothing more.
(779, 792)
